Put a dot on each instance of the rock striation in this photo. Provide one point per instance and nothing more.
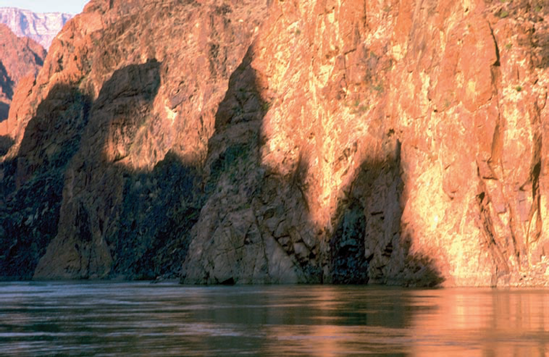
(42, 28)
(235, 142)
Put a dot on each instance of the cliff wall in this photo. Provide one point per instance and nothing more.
(20, 60)
(390, 141)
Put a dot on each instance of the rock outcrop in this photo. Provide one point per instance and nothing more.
(42, 28)
(116, 127)
(396, 142)
(20, 61)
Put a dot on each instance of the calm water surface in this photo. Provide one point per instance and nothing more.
(140, 319)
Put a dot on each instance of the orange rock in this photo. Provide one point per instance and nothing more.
(19, 57)
(312, 141)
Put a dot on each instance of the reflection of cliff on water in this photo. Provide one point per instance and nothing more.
(123, 319)
(481, 322)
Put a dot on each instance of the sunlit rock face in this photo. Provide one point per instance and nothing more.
(428, 116)
(20, 61)
(42, 28)
(395, 142)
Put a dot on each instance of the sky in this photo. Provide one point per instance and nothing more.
(68, 6)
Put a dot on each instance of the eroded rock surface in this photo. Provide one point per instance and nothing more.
(20, 61)
(138, 84)
(396, 142)
(427, 114)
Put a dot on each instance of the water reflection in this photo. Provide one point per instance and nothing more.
(139, 319)
(483, 322)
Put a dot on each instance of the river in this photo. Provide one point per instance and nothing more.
(141, 319)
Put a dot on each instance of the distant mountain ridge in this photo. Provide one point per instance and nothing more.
(41, 27)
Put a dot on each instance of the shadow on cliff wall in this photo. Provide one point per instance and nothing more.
(149, 213)
(6, 84)
(6, 87)
(31, 185)
(157, 208)
(121, 221)
(366, 243)
(136, 224)
(4, 112)
(6, 143)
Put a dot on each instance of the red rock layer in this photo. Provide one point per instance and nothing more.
(429, 117)
(20, 61)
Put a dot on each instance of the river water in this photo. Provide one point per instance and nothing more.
(140, 319)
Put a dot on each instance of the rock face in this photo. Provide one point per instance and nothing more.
(42, 28)
(396, 142)
(20, 61)
(117, 127)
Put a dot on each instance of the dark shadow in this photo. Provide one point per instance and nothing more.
(31, 185)
(4, 112)
(367, 244)
(154, 229)
(156, 209)
(233, 160)
(6, 87)
(123, 222)
(72, 180)
(6, 83)
(348, 248)
(118, 221)
(377, 248)
(38, 60)
(5, 144)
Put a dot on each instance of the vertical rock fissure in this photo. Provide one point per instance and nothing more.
(489, 235)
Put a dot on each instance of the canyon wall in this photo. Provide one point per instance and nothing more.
(388, 141)
(42, 28)
(20, 61)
